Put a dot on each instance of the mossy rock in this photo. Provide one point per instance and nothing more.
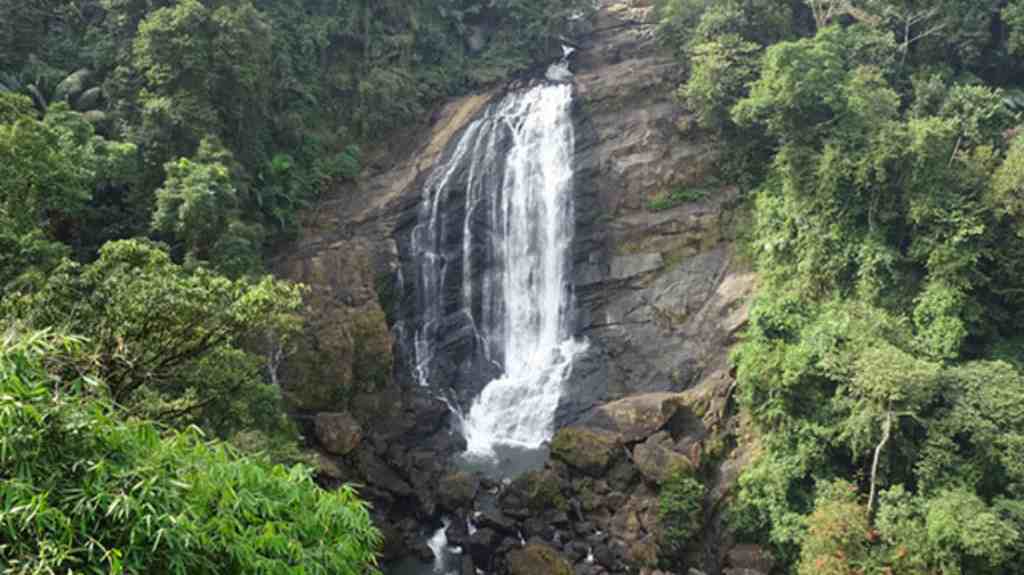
(69, 88)
(373, 358)
(535, 559)
(541, 490)
(658, 462)
(344, 352)
(319, 376)
(457, 490)
(586, 450)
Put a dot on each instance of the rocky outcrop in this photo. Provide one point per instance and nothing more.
(338, 433)
(602, 513)
(661, 294)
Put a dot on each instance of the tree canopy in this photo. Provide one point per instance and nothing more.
(877, 141)
(85, 490)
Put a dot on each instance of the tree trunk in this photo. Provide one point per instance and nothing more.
(886, 434)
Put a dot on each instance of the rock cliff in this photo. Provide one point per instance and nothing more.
(660, 295)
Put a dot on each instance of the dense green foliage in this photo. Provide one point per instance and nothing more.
(236, 113)
(84, 490)
(151, 153)
(172, 343)
(882, 366)
(680, 509)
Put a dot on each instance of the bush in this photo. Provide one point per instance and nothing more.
(680, 508)
(83, 491)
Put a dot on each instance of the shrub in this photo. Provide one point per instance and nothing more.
(680, 507)
(84, 491)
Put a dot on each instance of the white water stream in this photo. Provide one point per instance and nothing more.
(516, 162)
(536, 219)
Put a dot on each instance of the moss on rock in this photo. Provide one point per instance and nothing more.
(586, 450)
(318, 376)
(343, 352)
(537, 559)
(541, 490)
(372, 358)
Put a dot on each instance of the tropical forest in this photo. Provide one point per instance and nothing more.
(511, 287)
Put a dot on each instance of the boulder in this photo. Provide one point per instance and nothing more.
(457, 533)
(476, 40)
(393, 545)
(496, 521)
(422, 551)
(635, 520)
(330, 468)
(457, 490)
(96, 117)
(537, 527)
(537, 490)
(635, 418)
(656, 460)
(622, 476)
(644, 551)
(338, 433)
(379, 475)
(588, 451)
(537, 560)
(481, 546)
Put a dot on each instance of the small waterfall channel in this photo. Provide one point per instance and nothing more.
(499, 265)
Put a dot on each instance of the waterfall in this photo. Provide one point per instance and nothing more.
(506, 245)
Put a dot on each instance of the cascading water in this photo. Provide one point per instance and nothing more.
(536, 224)
(511, 173)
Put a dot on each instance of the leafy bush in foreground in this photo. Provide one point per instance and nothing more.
(83, 491)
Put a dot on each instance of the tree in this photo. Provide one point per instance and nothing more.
(722, 68)
(46, 174)
(911, 19)
(1007, 192)
(172, 343)
(1013, 15)
(954, 531)
(206, 71)
(197, 200)
(838, 534)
